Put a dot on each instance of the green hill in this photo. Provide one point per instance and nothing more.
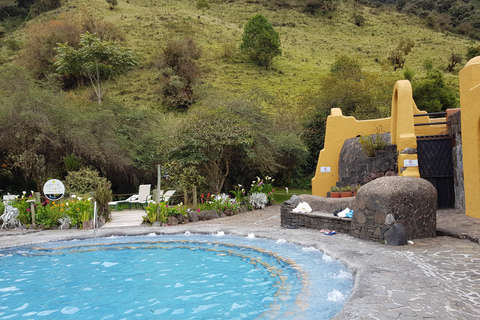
(310, 43)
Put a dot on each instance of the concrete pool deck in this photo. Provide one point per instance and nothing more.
(435, 278)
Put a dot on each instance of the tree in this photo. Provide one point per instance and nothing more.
(432, 94)
(453, 60)
(261, 43)
(210, 140)
(97, 60)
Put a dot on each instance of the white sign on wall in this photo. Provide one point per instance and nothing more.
(410, 163)
(324, 169)
(53, 189)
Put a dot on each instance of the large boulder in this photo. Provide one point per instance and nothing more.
(411, 201)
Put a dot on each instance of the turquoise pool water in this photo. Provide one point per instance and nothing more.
(171, 277)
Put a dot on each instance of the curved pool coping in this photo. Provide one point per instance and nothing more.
(390, 282)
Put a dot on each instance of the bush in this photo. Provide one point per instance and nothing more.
(358, 19)
(261, 43)
(179, 72)
(473, 52)
(202, 4)
(83, 182)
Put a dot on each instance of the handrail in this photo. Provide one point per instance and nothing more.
(429, 114)
(429, 123)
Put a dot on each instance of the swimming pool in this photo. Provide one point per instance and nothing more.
(171, 277)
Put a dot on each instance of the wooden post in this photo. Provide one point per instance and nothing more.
(194, 203)
(185, 197)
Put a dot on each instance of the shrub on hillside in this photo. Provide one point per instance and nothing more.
(261, 43)
(38, 54)
(179, 72)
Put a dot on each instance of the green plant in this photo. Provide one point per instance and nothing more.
(372, 143)
(346, 189)
(83, 182)
(472, 52)
(151, 211)
(334, 189)
(408, 74)
(260, 42)
(71, 163)
(103, 195)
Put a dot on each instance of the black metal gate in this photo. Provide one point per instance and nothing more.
(435, 163)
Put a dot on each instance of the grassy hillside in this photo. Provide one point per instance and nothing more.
(310, 44)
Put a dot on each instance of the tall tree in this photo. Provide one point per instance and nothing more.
(96, 59)
(260, 41)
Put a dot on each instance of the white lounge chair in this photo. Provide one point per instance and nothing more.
(128, 200)
(143, 196)
(166, 197)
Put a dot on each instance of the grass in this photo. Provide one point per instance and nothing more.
(310, 44)
(281, 195)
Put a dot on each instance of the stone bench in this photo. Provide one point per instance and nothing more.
(322, 215)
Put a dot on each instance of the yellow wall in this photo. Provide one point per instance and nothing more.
(339, 128)
(401, 125)
(470, 104)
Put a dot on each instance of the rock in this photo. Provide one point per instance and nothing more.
(389, 219)
(391, 174)
(193, 216)
(395, 236)
(409, 151)
(222, 214)
(87, 224)
(181, 218)
(172, 221)
(229, 212)
(157, 224)
(294, 200)
(21, 227)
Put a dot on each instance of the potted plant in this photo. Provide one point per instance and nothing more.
(346, 192)
(355, 189)
(335, 192)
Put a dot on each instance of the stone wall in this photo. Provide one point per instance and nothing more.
(455, 129)
(321, 216)
(389, 200)
(354, 167)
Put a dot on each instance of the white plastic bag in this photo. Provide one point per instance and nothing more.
(302, 207)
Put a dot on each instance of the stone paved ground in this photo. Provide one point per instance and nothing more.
(436, 278)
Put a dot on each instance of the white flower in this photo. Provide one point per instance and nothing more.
(24, 192)
(239, 185)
